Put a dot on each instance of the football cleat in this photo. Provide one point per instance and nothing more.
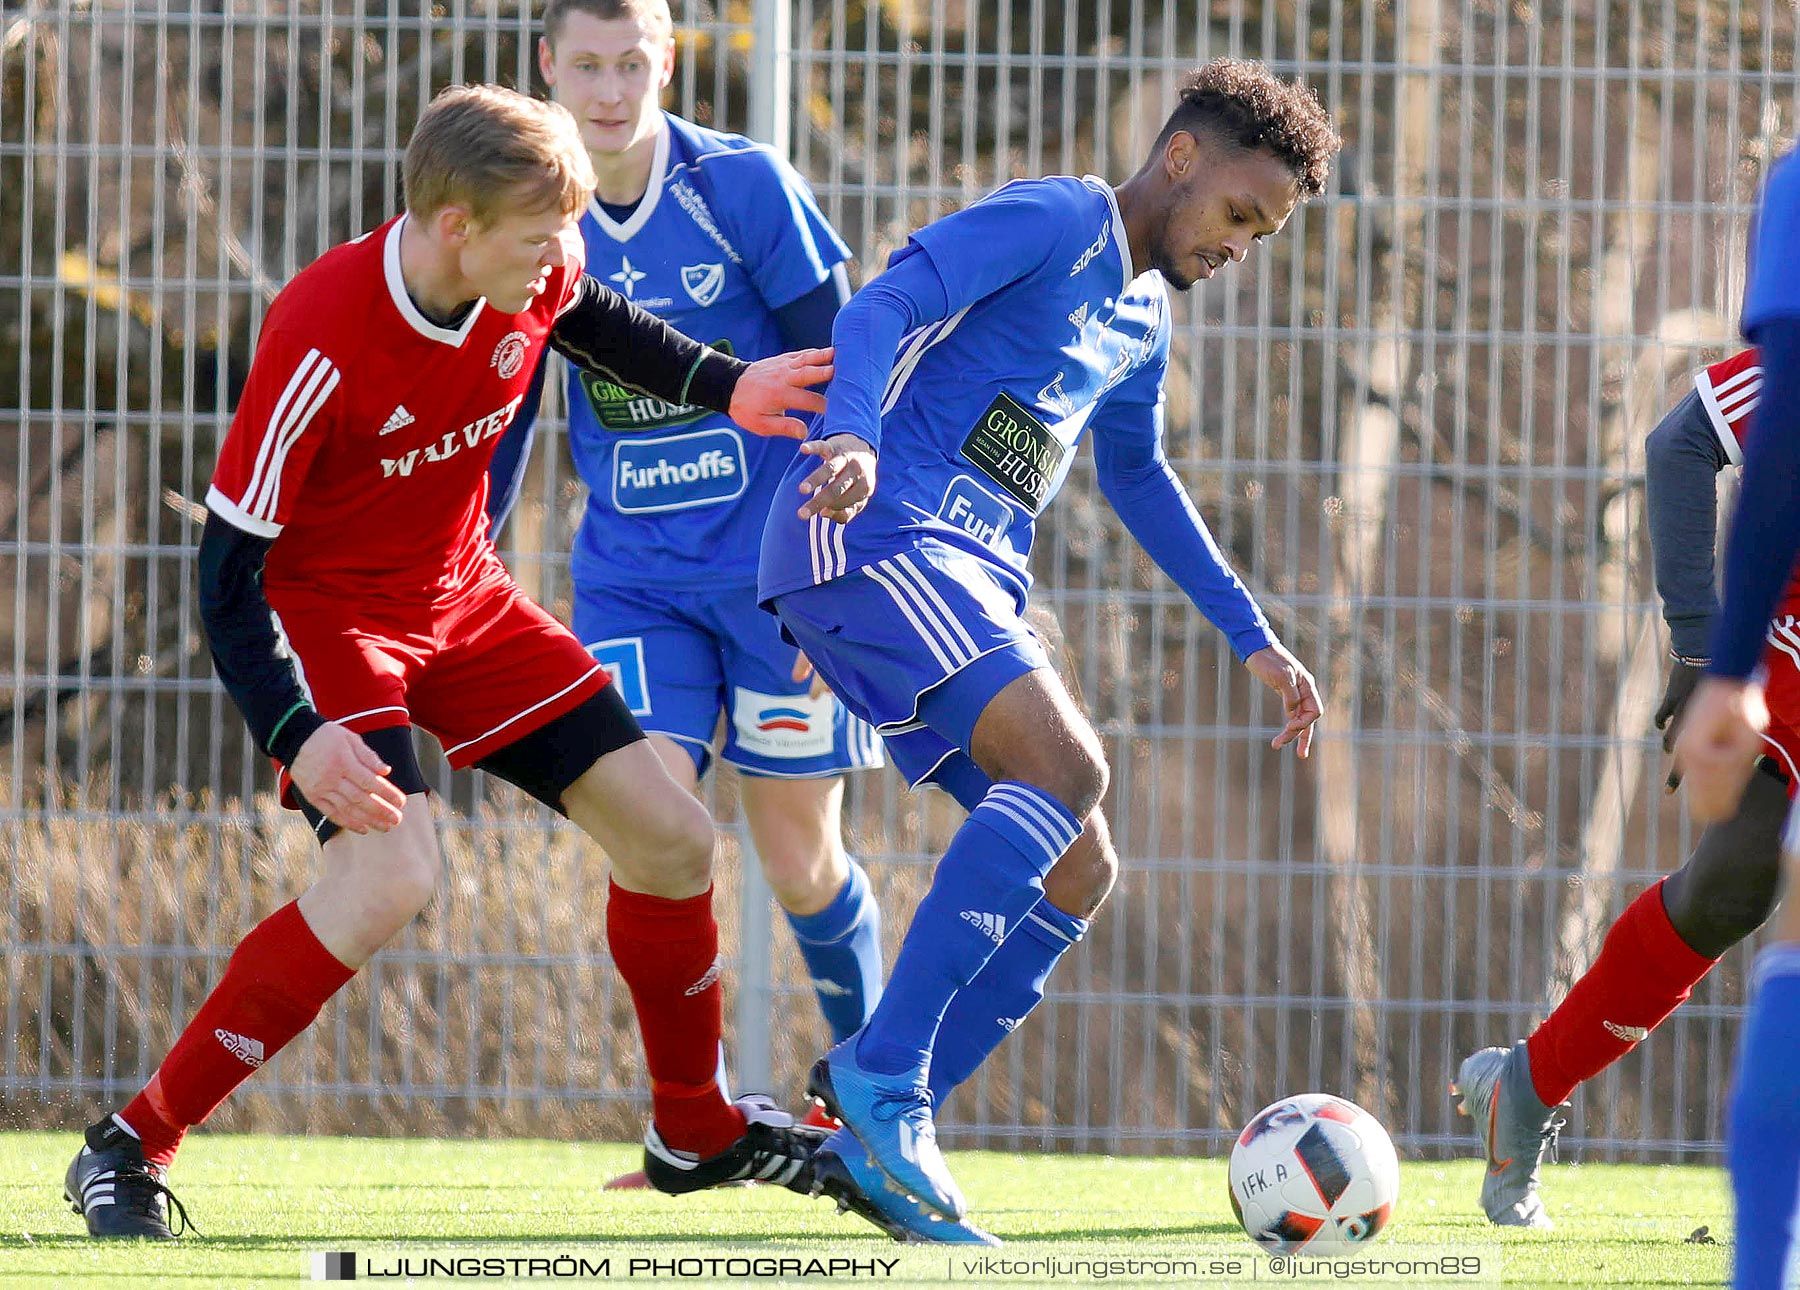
(1494, 1088)
(819, 1118)
(891, 1115)
(121, 1194)
(844, 1173)
(773, 1149)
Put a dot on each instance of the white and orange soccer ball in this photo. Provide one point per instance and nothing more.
(1314, 1174)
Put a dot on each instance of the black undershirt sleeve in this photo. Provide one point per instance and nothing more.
(246, 650)
(1682, 460)
(605, 333)
(806, 323)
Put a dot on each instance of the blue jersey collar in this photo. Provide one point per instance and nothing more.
(1112, 201)
(659, 176)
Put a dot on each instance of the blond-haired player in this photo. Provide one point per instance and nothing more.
(347, 513)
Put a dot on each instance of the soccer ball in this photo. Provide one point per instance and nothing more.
(1314, 1174)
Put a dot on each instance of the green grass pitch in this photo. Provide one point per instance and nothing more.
(265, 1204)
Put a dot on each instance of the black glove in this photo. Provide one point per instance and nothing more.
(1684, 675)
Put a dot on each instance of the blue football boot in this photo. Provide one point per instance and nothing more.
(891, 1114)
(843, 1172)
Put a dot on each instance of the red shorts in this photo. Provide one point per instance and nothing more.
(479, 671)
(1781, 687)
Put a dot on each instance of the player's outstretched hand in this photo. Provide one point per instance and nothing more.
(844, 481)
(1288, 677)
(1683, 677)
(1715, 751)
(804, 670)
(772, 387)
(342, 776)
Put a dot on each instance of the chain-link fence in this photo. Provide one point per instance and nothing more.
(1414, 419)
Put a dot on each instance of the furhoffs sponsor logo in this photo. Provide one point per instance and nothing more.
(676, 472)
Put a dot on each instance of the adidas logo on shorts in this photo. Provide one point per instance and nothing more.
(247, 1050)
(993, 926)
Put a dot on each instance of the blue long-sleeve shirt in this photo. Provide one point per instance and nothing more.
(1765, 531)
(996, 340)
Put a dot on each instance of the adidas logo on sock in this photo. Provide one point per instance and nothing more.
(706, 981)
(247, 1050)
(993, 926)
(398, 419)
(1630, 1034)
(830, 989)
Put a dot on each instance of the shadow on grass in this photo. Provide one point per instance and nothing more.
(1171, 1231)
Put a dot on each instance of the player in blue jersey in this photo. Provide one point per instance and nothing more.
(971, 369)
(1720, 739)
(720, 238)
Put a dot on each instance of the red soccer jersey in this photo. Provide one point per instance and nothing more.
(362, 440)
(1729, 391)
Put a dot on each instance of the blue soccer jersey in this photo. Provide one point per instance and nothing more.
(1051, 332)
(727, 233)
(1765, 531)
(1774, 288)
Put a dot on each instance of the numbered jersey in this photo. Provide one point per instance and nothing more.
(1052, 333)
(726, 234)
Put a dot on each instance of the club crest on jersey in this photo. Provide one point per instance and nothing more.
(509, 355)
(703, 282)
(1053, 395)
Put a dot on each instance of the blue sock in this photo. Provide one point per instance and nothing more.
(842, 948)
(987, 881)
(1763, 1124)
(990, 1007)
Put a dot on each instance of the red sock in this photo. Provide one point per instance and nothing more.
(667, 951)
(1645, 971)
(276, 982)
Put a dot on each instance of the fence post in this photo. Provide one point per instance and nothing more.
(755, 1008)
(771, 26)
(771, 73)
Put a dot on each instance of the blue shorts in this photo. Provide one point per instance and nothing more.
(682, 657)
(917, 645)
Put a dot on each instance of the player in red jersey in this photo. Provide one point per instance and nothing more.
(347, 512)
(1673, 933)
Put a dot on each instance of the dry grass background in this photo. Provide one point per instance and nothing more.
(1414, 428)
